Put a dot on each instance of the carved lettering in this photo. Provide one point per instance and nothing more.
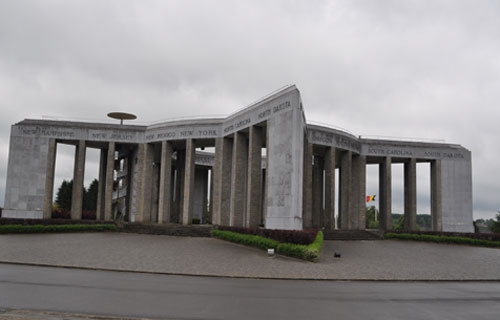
(281, 106)
(265, 114)
(119, 136)
(209, 133)
(163, 135)
(241, 123)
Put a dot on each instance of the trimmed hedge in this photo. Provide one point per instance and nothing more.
(18, 228)
(5, 221)
(303, 237)
(442, 239)
(309, 252)
(481, 236)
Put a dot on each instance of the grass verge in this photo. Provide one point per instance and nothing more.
(443, 239)
(309, 252)
(19, 228)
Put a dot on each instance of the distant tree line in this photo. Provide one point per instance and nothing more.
(488, 225)
(424, 222)
(65, 191)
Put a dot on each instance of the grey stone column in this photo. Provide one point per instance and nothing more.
(330, 188)
(78, 175)
(345, 197)
(155, 182)
(307, 201)
(188, 194)
(145, 157)
(165, 190)
(222, 181)
(211, 198)
(410, 192)
(359, 192)
(317, 192)
(200, 197)
(99, 214)
(436, 196)
(108, 181)
(254, 182)
(239, 180)
(385, 194)
(285, 161)
(180, 172)
(49, 179)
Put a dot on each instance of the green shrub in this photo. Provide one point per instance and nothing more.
(442, 239)
(18, 228)
(309, 252)
(304, 237)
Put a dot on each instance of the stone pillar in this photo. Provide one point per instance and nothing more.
(200, 196)
(99, 213)
(78, 176)
(345, 198)
(285, 155)
(239, 180)
(307, 201)
(188, 194)
(155, 182)
(180, 165)
(436, 196)
(49, 179)
(317, 192)
(165, 188)
(108, 182)
(254, 182)
(330, 188)
(385, 194)
(144, 180)
(211, 198)
(222, 181)
(358, 192)
(410, 192)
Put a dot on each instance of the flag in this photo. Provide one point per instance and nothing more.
(370, 198)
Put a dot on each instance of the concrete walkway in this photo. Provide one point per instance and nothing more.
(360, 260)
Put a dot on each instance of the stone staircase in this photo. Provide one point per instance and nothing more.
(167, 229)
(352, 235)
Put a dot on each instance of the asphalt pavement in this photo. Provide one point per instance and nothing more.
(380, 260)
(360, 260)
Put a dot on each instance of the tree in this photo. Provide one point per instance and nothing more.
(90, 196)
(371, 218)
(64, 194)
(495, 224)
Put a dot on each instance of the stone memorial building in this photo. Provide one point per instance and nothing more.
(263, 165)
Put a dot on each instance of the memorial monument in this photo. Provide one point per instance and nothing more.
(268, 167)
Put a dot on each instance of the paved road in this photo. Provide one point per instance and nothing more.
(187, 297)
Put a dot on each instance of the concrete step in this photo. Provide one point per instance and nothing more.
(352, 235)
(168, 229)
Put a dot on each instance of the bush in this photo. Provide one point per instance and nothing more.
(246, 239)
(308, 252)
(442, 239)
(302, 237)
(4, 221)
(38, 228)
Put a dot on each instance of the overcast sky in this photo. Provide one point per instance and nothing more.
(418, 69)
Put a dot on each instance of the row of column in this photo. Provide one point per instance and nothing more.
(105, 191)
(319, 190)
(238, 179)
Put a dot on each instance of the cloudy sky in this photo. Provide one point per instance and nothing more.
(416, 69)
